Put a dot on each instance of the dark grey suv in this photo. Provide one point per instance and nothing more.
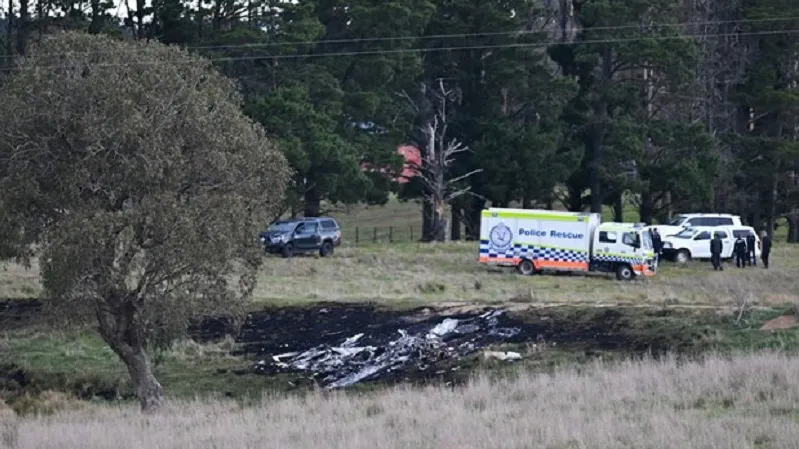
(302, 236)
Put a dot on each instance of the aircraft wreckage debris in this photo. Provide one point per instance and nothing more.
(364, 357)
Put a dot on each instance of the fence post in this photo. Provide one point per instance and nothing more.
(356, 234)
(391, 234)
(411, 231)
(374, 237)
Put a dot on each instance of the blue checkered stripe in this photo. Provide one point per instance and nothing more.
(632, 260)
(535, 253)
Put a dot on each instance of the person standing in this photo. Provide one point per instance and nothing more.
(740, 252)
(657, 243)
(716, 246)
(751, 241)
(766, 248)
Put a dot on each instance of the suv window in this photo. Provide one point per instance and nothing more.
(307, 228)
(703, 236)
(328, 224)
(702, 221)
(741, 233)
(720, 234)
(724, 221)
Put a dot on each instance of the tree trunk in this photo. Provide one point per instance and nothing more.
(618, 208)
(575, 199)
(95, 26)
(473, 217)
(123, 331)
(9, 27)
(455, 224)
(646, 209)
(22, 27)
(793, 227)
(313, 202)
(147, 387)
(771, 212)
(438, 230)
(600, 129)
(427, 220)
(140, 5)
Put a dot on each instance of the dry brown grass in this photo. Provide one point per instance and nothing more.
(18, 282)
(746, 402)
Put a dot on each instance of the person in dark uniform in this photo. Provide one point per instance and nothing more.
(716, 246)
(766, 240)
(657, 243)
(751, 259)
(740, 252)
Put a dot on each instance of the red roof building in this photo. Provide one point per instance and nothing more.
(413, 159)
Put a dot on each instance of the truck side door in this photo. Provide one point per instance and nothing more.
(726, 240)
(700, 248)
(305, 236)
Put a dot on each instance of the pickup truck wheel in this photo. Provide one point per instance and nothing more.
(526, 267)
(288, 250)
(624, 273)
(326, 250)
(682, 256)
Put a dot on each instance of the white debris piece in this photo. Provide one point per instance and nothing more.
(446, 326)
(346, 364)
(499, 355)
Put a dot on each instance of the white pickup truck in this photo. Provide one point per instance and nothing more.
(682, 221)
(694, 243)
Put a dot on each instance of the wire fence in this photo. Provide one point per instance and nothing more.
(363, 235)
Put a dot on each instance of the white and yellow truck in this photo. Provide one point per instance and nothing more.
(535, 240)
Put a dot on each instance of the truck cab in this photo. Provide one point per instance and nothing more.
(623, 248)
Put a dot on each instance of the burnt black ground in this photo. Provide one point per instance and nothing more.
(578, 332)
(283, 329)
(287, 329)
(15, 313)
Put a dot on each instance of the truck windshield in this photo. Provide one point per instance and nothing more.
(282, 226)
(686, 234)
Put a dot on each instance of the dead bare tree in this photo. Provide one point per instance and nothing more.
(432, 135)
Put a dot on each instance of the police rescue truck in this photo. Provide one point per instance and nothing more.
(543, 240)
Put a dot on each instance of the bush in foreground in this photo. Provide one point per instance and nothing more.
(745, 402)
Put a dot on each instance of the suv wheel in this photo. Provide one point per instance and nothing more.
(683, 256)
(288, 250)
(326, 250)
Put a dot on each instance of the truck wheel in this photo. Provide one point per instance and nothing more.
(326, 250)
(624, 273)
(683, 256)
(526, 267)
(288, 250)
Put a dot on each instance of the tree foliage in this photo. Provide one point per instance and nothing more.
(134, 171)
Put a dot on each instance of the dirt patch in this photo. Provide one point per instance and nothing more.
(781, 322)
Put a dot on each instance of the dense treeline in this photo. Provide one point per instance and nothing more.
(585, 104)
